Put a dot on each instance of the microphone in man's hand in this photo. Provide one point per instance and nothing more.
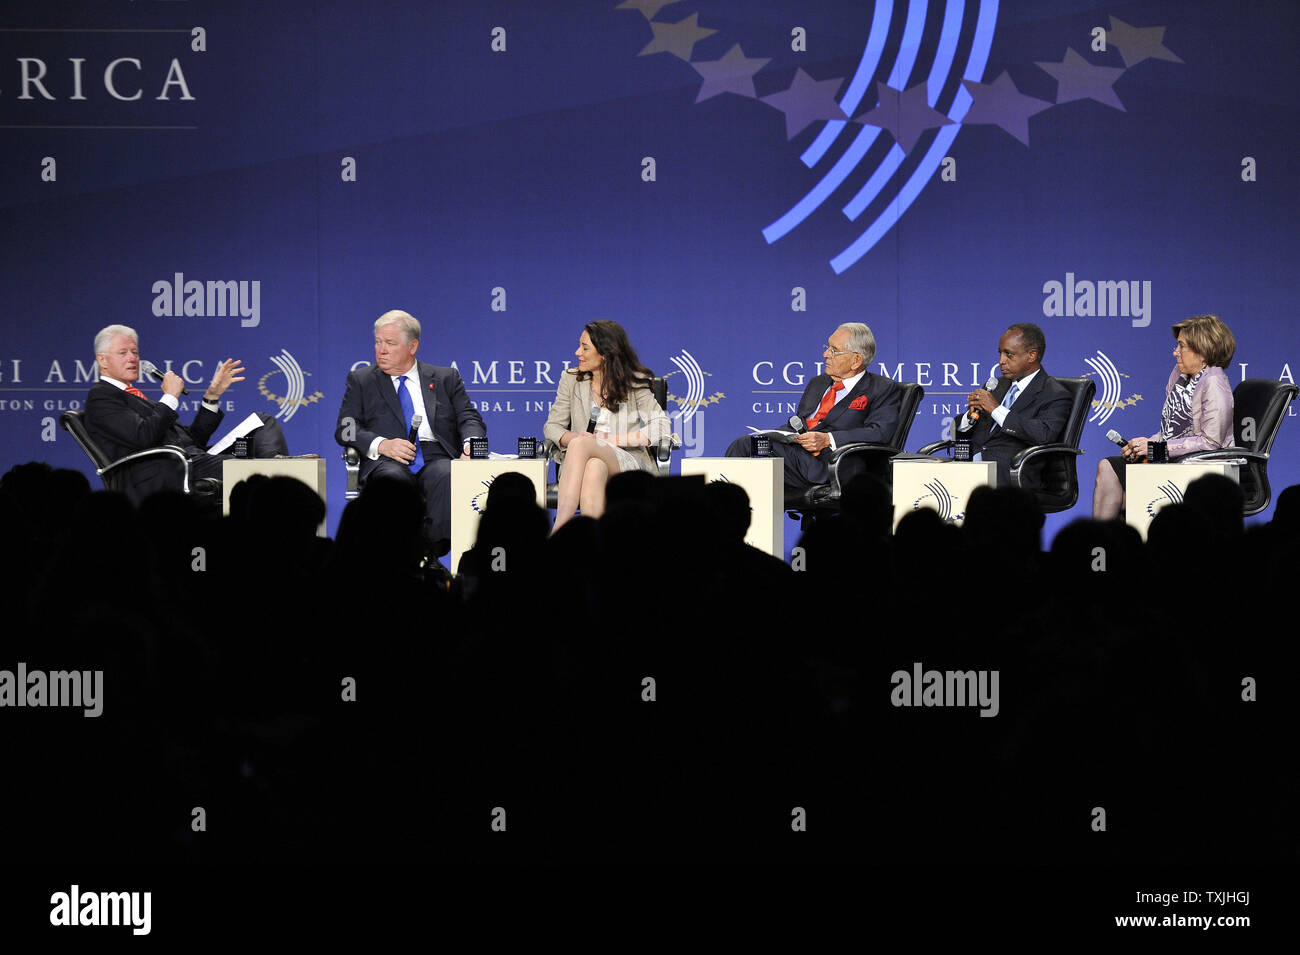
(414, 436)
(988, 386)
(591, 419)
(152, 370)
(798, 426)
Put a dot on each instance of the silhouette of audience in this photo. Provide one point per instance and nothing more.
(645, 682)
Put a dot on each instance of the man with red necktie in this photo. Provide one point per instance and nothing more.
(846, 403)
(123, 420)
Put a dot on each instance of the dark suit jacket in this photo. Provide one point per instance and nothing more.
(1039, 416)
(877, 422)
(122, 424)
(371, 402)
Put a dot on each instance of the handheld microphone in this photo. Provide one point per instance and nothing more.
(799, 426)
(150, 369)
(988, 386)
(414, 436)
(1115, 436)
(591, 419)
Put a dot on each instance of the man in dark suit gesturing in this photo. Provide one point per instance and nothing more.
(378, 408)
(847, 403)
(122, 420)
(1027, 407)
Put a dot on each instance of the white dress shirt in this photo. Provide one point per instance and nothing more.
(1001, 411)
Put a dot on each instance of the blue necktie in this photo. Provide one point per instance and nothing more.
(1006, 402)
(408, 411)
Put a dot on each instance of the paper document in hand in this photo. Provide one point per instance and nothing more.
(776, 434)
(247, 426)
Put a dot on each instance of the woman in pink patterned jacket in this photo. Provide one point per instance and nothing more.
(1197, 415)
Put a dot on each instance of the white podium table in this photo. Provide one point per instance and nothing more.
(943, 486)
(1149, 487)
(470, 481)
(764, 481)
(310, 471)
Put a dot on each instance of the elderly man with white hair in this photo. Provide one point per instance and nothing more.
(846, 403)
(122, 419)
(379, 409)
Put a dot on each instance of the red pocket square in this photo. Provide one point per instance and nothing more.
(859, 403)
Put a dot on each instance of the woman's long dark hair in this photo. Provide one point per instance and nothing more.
(621, 370)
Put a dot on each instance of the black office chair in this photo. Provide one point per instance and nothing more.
(663, 454)
(1258, 407)
(114, 474)
(825, 498)
(352, 468)
(1056, 485)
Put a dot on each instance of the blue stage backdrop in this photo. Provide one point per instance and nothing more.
(730, 179)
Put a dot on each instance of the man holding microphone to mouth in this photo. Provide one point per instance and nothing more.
(1025, 408)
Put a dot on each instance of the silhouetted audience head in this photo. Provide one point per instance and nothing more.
(1286, 513)
(1219, 500)
(287, 507)
(511, 486)
(1175, 531)
(729, 512)
(923, 534)
(629, 486)
(1006, 521)
(868, 502)
(1095, 559)
(382, 528)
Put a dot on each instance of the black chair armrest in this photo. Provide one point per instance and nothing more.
(859, 447)
(352, 469)
(853, 448)
(930, 449)
(166, 450)
(1040, 449)
(1222, 454)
